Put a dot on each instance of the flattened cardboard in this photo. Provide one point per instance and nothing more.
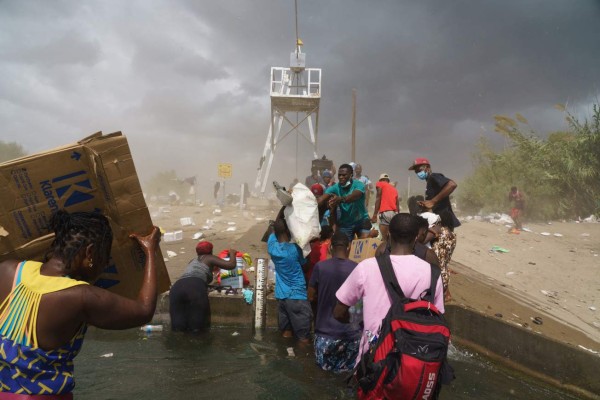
(95, 174)
(361, 249)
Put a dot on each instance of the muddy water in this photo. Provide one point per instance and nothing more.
(236, 364)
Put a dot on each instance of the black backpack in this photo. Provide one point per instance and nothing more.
(408, 359)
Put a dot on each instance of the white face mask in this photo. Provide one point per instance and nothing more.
(348, 183)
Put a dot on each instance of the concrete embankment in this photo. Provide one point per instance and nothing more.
(552, 351)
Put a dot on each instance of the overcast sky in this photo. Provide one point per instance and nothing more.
(188, 81)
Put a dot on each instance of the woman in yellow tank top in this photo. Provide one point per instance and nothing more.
(45, 307)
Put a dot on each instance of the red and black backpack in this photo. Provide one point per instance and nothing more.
(408, 358)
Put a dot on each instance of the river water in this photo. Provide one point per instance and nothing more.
(233, 363)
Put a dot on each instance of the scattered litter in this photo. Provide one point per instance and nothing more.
(248, 295)
(498, 249)
(510, 273)
(172, 237)
(235, 334)
(558, 235)
(251, 269)
(209, 224)
(107, 355)
(165, 259)
(231, 229)
(186, 221)
(545, 233)
(231, 223)
(591, 218)
(164, 210)
(259, 219)
(585, 234)
(593, 308)
(498, 315)
(585, 348)
(537, 320)
(197, 235)
(500, 219)
(515, 315)
(217, 211)
(290, 351)
(531, 263)
(152, 328)
(549, 223)
(171, 254)
(549, 293)
(526, 230)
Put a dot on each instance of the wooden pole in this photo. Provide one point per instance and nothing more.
(354, 125)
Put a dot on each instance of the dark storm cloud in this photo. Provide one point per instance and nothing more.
(187, 81)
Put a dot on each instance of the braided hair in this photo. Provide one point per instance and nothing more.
(75, 231)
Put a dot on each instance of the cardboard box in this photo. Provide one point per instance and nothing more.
(95, 174)
(361, 249)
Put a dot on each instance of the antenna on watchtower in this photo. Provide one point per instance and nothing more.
(296, 89)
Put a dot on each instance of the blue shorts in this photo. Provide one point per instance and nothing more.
(361, 227)
(338, 355)
(295, 316)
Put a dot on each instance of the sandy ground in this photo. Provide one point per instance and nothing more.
(557, 275)
(554, 278)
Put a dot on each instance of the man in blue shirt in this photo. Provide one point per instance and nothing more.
(348, 195)
(295, 314)
(336, 344)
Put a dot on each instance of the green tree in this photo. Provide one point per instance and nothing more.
(559, 174)
(10, 151)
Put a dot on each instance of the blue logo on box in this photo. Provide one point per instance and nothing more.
(68, 190)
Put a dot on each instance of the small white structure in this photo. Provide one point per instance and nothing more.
(296, 89)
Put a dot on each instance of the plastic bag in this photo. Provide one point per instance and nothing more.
(302, 217)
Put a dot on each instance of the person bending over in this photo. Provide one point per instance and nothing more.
(189, 307)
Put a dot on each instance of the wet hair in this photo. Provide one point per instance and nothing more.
(404, 228)
(339, 238)
(348, 167)
(326, 232)
(413, 204)
(75, 231)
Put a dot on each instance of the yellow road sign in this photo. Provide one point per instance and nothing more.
(224, 170)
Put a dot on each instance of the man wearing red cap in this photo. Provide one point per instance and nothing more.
(188, 298)
(437, 198)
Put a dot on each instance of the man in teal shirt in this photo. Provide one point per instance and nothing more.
(348, 196)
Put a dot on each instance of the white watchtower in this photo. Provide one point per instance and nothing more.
(296, 89)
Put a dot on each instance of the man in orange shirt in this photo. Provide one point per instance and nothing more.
(386, 204)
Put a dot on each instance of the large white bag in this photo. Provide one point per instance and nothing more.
(302, 217)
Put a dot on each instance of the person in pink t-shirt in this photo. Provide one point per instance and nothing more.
(366, 282)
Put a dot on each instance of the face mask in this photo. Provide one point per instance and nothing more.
(348, 183)
(422, 175)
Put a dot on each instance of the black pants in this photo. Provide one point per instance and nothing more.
(189, 306)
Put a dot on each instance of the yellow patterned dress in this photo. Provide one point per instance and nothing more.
(24, 367)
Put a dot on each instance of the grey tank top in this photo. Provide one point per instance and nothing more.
(197, 269)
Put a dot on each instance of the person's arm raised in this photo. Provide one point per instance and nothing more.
(217, 262)
(107, 310)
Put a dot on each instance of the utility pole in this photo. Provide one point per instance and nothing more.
(354, 125)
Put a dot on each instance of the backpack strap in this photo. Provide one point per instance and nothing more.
(435, 275)
(389, 277)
